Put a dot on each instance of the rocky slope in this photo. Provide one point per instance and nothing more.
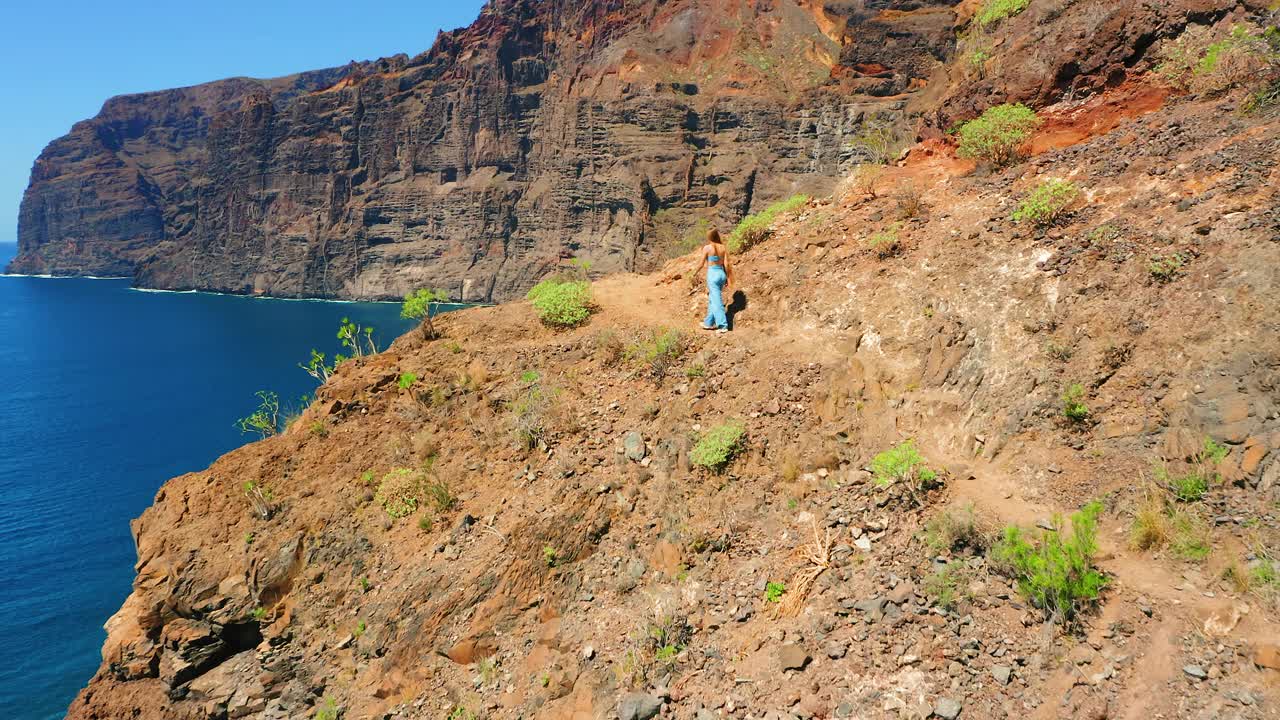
(545, 129)
(578, 566)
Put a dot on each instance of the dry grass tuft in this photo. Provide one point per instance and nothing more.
(817, 556)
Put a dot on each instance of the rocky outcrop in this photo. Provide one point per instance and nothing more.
(544, 130)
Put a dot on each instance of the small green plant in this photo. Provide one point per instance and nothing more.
(488, 668)
(462, 713)
(407, 380)
(423, 305)
(426, 523)
(719, 446)
(1061, 353)
(365, 585)
(1073, 407)
(258, 613)
(1213, 453)
(997, 135)
(1189, 535)
(562, 303)
(367, 477)
(330, 711)
(773, 591)
(1190, 487)
(399, 492)
(903, 465)
(454, 347)
(993, 11)
(696, 370)
(439, 495)
(265, 420)
(657, 352)
(1166, 268)
(885, 243)
(754, 229)
(361, 627)
(319, 428)
(1056, 575)
(550, 556)
(1047, 203)
(248, 538)
(259, 498)
(943, 585)
(530, 377)
(1103, 235)
(318, 369)
(655, 647)
(357, 339)
(529, 410)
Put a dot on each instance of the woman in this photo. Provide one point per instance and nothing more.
(715, 255)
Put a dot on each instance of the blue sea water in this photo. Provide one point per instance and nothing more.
(106, 392)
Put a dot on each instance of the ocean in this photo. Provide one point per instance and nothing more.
(105, 393)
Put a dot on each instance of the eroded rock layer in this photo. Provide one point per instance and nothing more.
(544, 130)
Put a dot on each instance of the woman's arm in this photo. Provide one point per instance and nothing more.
(728, 268)
(702, 262)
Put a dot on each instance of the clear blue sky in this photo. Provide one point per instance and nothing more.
(60, 59)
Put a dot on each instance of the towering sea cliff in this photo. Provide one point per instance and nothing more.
(544, 130)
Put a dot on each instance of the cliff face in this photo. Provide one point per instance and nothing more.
(546, 129)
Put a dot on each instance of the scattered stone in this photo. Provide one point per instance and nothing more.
(792, 657)
(836, 650)
(638, 706)
(1267, 655)
(863, 543)
(1195, 672)
(588, 652)
(634, 447)
(948, 709)
(1002, 673)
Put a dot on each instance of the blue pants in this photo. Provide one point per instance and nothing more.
(716, 280)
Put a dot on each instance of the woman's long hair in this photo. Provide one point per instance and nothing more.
(713, 237)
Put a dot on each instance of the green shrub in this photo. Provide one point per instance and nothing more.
(903, 464)
(1187, 488)
(357, 339)
(1189, 535)
(330, 711)
(1047, 204)
(265, 421)
(1073, 407)
(719, 446)
(754, 229)
(1203, 60)
(562, 303)
(997, 134)
(550, 556)
(885, 243)
(407, 380)
(1165, 268)
(423, 305)
(773, 591)
(1058, 575)
(258, 614)
(993, 11)
(399, 492)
